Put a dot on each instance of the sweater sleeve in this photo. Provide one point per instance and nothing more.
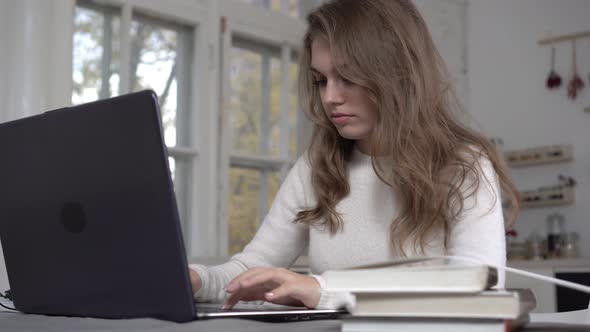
(334, 300)
(479, 232)
(277, 243)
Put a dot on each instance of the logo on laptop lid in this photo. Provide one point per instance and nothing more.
(73, 217)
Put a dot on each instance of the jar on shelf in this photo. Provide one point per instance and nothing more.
(535, 248)
(555, 230)
(569, 245)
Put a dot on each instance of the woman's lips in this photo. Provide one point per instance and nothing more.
(340, 118)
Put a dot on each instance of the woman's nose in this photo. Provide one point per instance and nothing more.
(333, 93)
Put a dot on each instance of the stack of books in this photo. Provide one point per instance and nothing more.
(430, 294)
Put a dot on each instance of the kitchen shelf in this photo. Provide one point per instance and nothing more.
(539, 155)
(541, 198)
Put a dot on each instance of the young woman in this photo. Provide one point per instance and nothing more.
(390, 171)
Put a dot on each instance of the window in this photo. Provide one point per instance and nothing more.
(159, 56)
(264, 138)
(263, 123)
(123, 49)
(157, 49)
(255, 102)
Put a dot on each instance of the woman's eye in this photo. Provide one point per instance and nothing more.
(346, 82)
(320, 82)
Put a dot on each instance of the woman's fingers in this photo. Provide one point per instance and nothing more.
(240, 291)
(243, 295)
(275, 285)
(265, 279)
(279, 293)
(234, 285)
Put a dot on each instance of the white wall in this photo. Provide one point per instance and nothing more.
(35, 63)
(446, 21)
(3, 57)
(36, 57)
(507, 94)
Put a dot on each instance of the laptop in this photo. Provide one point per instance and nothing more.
(88, 218)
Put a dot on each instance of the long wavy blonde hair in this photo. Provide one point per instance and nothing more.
(432, 160)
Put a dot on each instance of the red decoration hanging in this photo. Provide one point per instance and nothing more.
(553, 80)
(576, 84)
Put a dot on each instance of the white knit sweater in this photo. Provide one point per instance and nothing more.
(367, 213)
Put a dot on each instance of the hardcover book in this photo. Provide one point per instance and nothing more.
(498, 304)
(414, 275)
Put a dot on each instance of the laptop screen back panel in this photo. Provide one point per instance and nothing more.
(88, 218)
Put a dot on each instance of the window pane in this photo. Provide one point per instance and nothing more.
(154, 58)
(179, 169)
(244, 207)
(275, 5)
(275, 108)
(95, 54)
(293, 111)
(293, 8)
(172, 163)
(274, 182)
(268, 4)
(245, 99)
(255, 101)
(245, 204)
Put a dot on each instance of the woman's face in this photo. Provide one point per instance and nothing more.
(345, 103)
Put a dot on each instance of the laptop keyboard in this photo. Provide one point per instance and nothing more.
(242, 307)
(264, 311)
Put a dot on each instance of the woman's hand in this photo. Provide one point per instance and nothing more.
(195, 280)
(275, 285)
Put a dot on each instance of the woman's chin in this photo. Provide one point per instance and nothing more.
(351, 134)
